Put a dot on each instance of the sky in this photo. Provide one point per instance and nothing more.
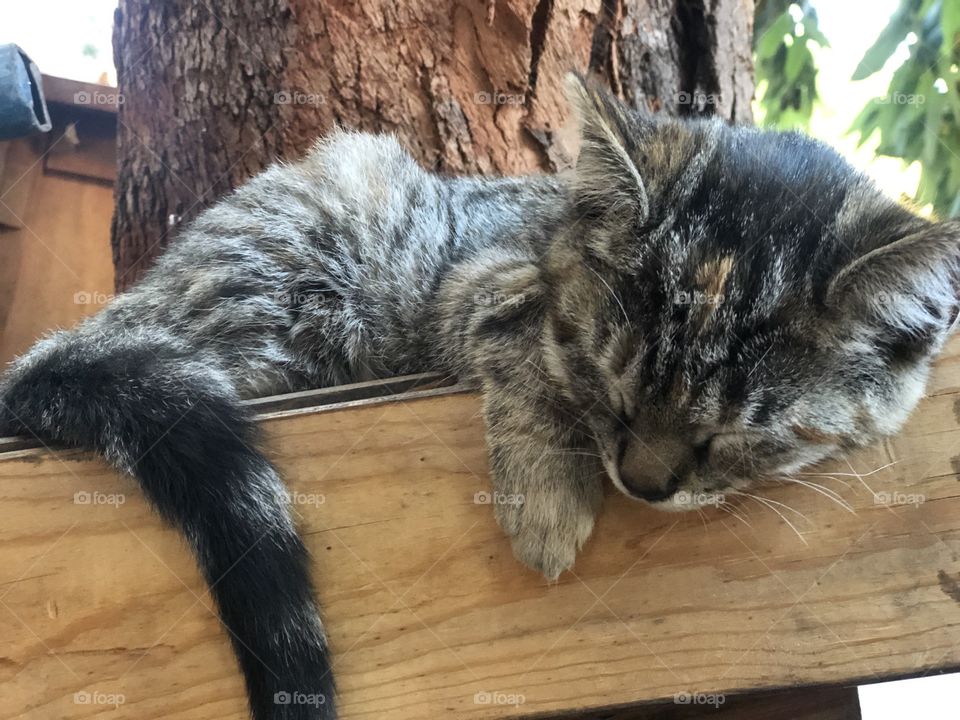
(54, 33)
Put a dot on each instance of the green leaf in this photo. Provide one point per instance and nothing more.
(811, 30)
(866, 122)
(772, 39)
(884, 46)
(798, 57)
(767, 13)
(786, 71)
(927, 187)
(933, 121)
(954, 210)
(950, 22)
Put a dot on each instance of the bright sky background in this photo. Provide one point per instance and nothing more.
(54, 33)
(851, 26)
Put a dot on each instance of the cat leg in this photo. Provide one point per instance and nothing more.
(547, 477)
(547, 488)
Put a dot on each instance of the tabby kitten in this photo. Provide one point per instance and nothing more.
(694, 309)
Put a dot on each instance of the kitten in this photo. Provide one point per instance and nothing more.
(695, 308)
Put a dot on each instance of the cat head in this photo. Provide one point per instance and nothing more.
(728, 305)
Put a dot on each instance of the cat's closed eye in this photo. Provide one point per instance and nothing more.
(701, 449)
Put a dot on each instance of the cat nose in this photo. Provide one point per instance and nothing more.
(650, 469)
(649, 487)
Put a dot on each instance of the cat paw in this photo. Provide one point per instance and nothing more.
(547, 529)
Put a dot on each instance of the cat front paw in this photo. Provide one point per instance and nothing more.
(547, 528)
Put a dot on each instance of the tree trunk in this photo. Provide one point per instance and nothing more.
(212, 94)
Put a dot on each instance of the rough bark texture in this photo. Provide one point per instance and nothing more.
(213, 93)
(199, 113)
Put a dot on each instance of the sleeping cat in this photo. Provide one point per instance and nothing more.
(693, 309)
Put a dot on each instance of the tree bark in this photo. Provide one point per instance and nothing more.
(213, 93)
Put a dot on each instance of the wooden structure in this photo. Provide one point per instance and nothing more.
(56, 203)
(429, 614)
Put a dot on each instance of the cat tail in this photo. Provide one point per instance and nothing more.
(174, 423)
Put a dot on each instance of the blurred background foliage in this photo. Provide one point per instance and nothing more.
(785, 66)
(917, 118)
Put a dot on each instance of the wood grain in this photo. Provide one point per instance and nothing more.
(56, 268)
(430, 616)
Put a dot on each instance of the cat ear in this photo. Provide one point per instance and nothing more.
(607, 183)
(911, 285)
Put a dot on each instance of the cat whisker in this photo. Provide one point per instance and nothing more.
(830, 492)
(825, 476)
(860, 476)
(703, 518)
(822, 490)
(854, 473)
(769, 504)
(729, 508)
(775, 502)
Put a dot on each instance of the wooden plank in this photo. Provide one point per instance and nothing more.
(404, 387)
(104, 98)
(56, 269)
(82, 145)
(336, 397)
(430, 616)
(826, 703)
(16, 184)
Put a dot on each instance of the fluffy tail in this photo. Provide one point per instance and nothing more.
(174, 424)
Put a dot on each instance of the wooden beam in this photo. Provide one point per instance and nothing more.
(429, 614)
(816, 703)
(65, 91)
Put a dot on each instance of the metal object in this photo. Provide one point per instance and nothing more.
(22, 107)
